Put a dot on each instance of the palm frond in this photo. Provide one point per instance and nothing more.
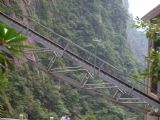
(17, 39)
(23, 46)
(2, 31)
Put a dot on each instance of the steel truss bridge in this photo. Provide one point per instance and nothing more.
(82, 63)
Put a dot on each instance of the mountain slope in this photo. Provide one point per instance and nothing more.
(37, 94)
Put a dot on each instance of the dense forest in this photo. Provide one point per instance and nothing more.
(38, 95)
(136, 40)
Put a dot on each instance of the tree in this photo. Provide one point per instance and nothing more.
(151, 29)
(11, 45)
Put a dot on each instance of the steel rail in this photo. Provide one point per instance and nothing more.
(94, 92)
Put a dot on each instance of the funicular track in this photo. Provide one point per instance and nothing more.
(125, 93)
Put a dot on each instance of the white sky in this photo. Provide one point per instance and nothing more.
(141, 7)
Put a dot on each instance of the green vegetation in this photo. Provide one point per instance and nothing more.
(152, 33)
(10, 47)
(154, 58)
(137, 39)
(37, 94)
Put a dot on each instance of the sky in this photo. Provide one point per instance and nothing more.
(141, 7)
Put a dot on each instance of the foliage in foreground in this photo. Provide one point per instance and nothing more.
(151, 29)
(11, 45)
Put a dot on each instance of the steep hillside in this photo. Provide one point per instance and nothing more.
(38, 95)
(84, 22)
(137, 41)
